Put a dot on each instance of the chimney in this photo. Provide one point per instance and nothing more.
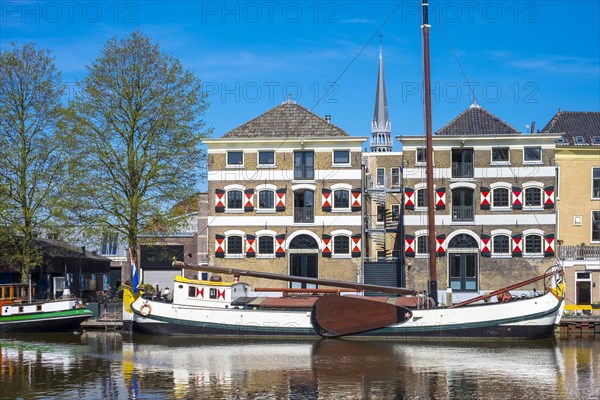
(532, 127)
(328, 118)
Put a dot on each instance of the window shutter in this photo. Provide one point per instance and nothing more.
(356, 245)
(517, 198)
(409, 199)
(219, 200)
(280, 200)
(440, 198)
(326, 199)
(249, 200)
(485, 198)
(250, 246)
(517, 244)
(549, 245)
(549, 197)
(280, 251)
(326, 245)
(356, 199)
(485, 245)
(409, 245)
(219, 246)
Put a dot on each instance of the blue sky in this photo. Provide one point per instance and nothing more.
(526, 59)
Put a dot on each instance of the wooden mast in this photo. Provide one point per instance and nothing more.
(431, 242)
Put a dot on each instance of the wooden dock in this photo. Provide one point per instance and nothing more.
(579, 327)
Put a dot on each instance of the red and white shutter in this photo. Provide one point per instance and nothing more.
(280, 200)
(517, 245)
(485, 197)
(326, 199)
(249, 200)
(279, 246)
(549, 245)
(219, 200)
(219, 246)
(326, 245)
(250, 246)
(356, 245)
(356, 204)
(409, 199)
(517, 198)
(549, 197)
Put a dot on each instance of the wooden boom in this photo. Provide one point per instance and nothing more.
(301, 279)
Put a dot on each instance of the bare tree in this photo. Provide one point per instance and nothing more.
(139, 126)
(33, 156)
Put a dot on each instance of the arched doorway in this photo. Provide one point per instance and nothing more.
(463, 263)
(304, 259)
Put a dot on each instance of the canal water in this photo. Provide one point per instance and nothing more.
(110, 365)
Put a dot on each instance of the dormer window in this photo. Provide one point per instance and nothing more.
(579, 140)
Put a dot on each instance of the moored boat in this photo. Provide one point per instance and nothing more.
(230, 309)
(20, 315)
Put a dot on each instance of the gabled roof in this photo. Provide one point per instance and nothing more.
(476, 120)
(580, 128)
(288, 119)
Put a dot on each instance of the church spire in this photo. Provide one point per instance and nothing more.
(381, 129)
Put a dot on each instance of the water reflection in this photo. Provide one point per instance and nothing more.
(104, 366)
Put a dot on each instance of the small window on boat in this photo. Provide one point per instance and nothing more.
(213, 293)
(21, 309)
(38, 307)
(192, 291)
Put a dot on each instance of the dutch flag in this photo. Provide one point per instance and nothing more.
(135, 279)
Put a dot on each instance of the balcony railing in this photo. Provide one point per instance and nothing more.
(462, 213)
(304, 215)
(462, 170)
(579, 252)
(304, 172)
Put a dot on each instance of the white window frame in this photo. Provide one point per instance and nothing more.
(494, 253)
(504, 162)
(392, 184)
(540, 161)
(265, 255)
(347, 164)
(341, 233)
(500, 185)
(265, 209)
(533, 232)
(234, 165)
(377, 177)
(592, 225)
(232, 233)
(533, 185)
(261, 165)
(592, 183)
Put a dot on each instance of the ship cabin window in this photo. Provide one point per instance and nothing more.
(38, 307)
(192, 291)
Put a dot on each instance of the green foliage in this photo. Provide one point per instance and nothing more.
(138, 127)
(33, 173)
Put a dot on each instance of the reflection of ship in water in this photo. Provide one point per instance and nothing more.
(348, 369)
(102, 365)
(58, 365)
